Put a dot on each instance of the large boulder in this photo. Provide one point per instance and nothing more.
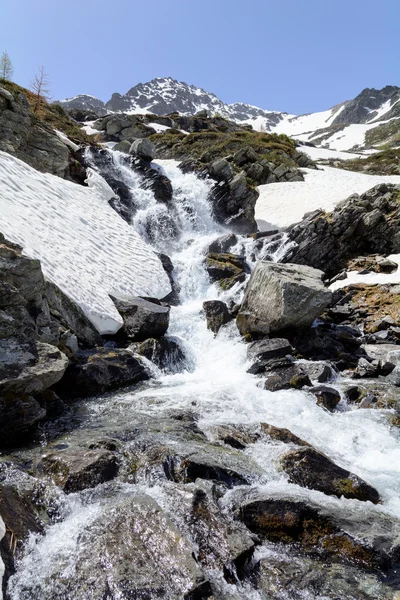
(233, 204)
(312, 469)
(144, 149)
(280, 297)
(142, 319)
(217, 314)
(135, 541)
(101, 370)
(226, 268)
(165, 352)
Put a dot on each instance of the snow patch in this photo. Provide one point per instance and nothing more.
(325, 153)
(84, 246)
(370, 278)
(283, 204)
(67, 141)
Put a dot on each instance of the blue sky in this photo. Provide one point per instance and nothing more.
(292, 55)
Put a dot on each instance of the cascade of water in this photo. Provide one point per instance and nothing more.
(218, 388)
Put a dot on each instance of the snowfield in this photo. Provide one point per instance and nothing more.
(84, 246)
(370, 278)
(283, 204)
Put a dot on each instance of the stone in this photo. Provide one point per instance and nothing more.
(288, 377)
(166, 352)
(221, 170)
(244, 156)
(280, 297)
(366, 369)
(222, 244)
(268, 348)
(146, 553)
(233, 204)
(386, 265)
(96, 372)
(311, 469)
(226, 268)
(281, 434)
(77, 469)
(144, 149)
(217, 314)
(318, 371)
(142, 319)
(326, 396)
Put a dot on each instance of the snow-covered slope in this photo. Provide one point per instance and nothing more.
(283, 204)
(84, 246)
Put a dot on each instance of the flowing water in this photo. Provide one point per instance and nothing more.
(217, 387)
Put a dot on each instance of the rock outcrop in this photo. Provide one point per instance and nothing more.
(142, 319)
(280, 297)
(359, 225)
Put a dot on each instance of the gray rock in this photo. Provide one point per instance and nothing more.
(217, 314)
(221, 170)
(289, 376)
(77, 469)
(269, 348)
(244, 156)
(312, 469)
(144, 149)
(280, 297)
(142, 319)
(326, 396)
(223, 243)
(96, 372)
(145, 552)
(282, 434)
(166, 352)
(318, 371)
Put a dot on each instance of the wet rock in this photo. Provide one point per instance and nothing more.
(145, 552)
(227, 269)
(96, 372)
(312, 469)
(217, 314)
(222, 543)
(366, 369)
(318, 371)
(282, 576)
(282, 435)
(236, 436)
(144, 149)
(269, 348)
(233, 204)
(288, 522)
(166, 352)
(77, 469)
(280, 297)
(326, 396)
(290, 377)
(222, 244)
(142, 319)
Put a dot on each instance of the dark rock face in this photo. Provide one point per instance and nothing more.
(314, 470)
(364, 107)
(280, 297)
(291, 522)
(166, 352)
(288, 377)
(364, 224)
(233, 204)
(217, 314)
(75, 470)
(226, 268)
(326, 396)
(222, 244)
(96, 372)
(83, 103)
(27, 138)
(263, 351)
(142, 319)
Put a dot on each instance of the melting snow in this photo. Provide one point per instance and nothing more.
(84, 246)
(282, 204)
(370, 278)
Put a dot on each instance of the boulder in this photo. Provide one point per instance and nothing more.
(142, 319)
(244, 156)
(233, 204)
(133, 539)
(326, 396)
(217, 314)
(166, 352)
(312, 469)
(293, 522)
(95, 372)
(318, 371)
(280, 297)
(289, 376)
(227, 269)
(281, 434)
(77, 469)
(221, 170)
(144, 149)
(263, 351)
(222, 244)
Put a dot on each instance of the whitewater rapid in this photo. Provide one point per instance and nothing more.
(219, 390)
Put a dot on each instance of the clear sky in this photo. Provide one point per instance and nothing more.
(297, 56)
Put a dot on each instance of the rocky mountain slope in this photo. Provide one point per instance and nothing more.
(367, 121)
